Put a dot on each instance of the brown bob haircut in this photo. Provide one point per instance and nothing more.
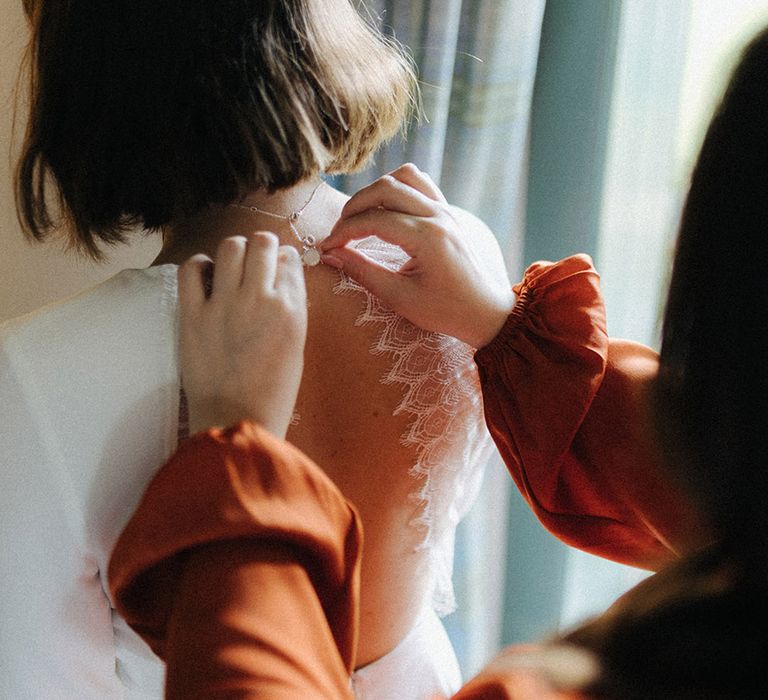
(143, 112)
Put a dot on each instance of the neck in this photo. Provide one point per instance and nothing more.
(203, 232)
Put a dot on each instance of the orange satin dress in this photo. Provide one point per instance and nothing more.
(240, 566)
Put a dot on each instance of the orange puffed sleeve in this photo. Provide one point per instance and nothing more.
(567, 409)
(240, 568)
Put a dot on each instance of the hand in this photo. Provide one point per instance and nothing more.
(454, 282)
(242, 348)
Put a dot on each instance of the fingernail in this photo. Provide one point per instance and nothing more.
(332, 260)
(323, 245)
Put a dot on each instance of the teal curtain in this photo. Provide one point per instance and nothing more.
(602, 180)
(569, 125)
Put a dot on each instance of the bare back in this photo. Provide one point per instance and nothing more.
(346, 424)
(352, 417)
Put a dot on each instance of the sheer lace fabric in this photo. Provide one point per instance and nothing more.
(441, 395)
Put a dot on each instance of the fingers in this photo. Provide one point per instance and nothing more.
(290, 273)
(192, 276)
(230, 256)
(289, 278)
(390, 192)
(379, 280)
(393, 227)
(406, 191)
(410, 175)
(260, 264)
(249, 263)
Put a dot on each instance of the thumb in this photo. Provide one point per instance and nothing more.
(382, 282)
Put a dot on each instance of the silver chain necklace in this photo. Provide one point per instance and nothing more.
(310, 255)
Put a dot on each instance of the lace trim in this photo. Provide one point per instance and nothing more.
(441, 394)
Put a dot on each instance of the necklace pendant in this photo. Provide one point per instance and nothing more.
(310, 257)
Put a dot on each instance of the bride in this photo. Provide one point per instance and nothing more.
(203, 121)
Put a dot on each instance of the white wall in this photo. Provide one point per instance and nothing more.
(34, 274)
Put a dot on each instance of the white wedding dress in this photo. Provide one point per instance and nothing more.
(89, 390)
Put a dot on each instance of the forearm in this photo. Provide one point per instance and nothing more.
(566, 407)
(247, 622)
(240, 568)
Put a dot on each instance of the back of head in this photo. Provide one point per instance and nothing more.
(143, 111)
(712, 390)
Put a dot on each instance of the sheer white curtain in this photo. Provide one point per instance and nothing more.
(642, 189)
(476, 62)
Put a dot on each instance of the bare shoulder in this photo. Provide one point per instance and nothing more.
(483, 242)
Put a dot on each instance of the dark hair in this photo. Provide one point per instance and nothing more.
(144, 111)
(695, 631)
(711, 394)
